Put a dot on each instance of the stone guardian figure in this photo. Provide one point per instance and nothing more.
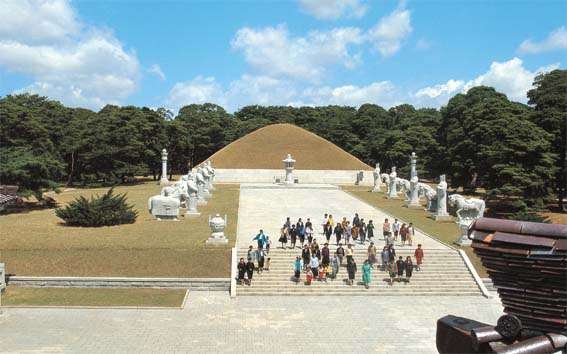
(200, 180)
(441, 214)
(392, 189)
(377, 179)
(192, 189)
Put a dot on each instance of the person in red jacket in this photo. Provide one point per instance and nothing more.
(418, 254)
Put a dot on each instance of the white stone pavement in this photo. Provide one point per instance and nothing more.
(264, 206)
(214, 323)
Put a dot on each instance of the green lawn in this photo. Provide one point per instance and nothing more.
(16, 296)
(36, 243)
(444, 231)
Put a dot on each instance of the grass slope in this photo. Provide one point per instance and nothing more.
(266, 147)
(444, 231)
(16, 296)
(36, 243)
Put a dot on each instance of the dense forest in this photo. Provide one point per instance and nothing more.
(515, 152)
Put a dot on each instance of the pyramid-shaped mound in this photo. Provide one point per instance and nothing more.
(266, 147)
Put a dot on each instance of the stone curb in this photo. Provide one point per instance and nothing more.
(475, 275)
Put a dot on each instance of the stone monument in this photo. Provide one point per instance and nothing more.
(163, 181)
(217, 224)
(206, 192)
(211, 172)
(441, 213)
(200, 180)
(377, 179)
(192, 190)
(468, 210)
(164, 207)
(414, 184)
(288, 165)
(392, 189)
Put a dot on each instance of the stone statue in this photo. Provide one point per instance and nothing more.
(468, 210)
(200, 180)
(207, 178)
(178, 190)
(377, 179)
(414, 187)
(289, 163)
(441, 213)
(392, 190)
(430, 195)
(217, 225)
(403, 185)
(164, 206)
(211, 172)
(192, 190)
(385, 177)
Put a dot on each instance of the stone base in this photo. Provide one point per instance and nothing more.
(164, 182)
(443, 218)
(211, 241)
(192, 214)
(415, 206)
(166, 218)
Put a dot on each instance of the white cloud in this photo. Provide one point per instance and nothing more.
(381, 93)
(509, 77)
(388, 34)
(334, 9)
(199, 90)
(273, 52)
(556, 40)
(67, 61)
(156, 70)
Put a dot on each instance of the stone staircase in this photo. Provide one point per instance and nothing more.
(443, 273)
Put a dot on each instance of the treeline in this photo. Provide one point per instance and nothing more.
(479, 139)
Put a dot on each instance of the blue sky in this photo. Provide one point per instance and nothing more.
(304, 52)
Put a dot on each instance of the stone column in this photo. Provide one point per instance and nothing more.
(414, 180)
(377, 179)
(288, 165)
(393, 190)
(441, 214)
(163, 181)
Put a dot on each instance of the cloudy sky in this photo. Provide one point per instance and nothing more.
(304, 52)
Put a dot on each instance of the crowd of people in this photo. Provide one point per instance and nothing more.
(318, 264)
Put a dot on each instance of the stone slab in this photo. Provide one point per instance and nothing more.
(303, 176)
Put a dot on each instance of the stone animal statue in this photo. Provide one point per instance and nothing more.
(386, 179)
(178, 190)
(468, 210)
(164, 206)
(430, 194)
(404, 186)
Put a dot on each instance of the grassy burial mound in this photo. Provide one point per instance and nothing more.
(266, 147)
(38, 243)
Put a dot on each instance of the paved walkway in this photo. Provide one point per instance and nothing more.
(212, 322)
(265, 207)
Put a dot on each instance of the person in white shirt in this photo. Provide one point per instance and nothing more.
(396, 226)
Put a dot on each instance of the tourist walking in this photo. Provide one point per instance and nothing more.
(334, 267)
(355, 226)
(409, 269)
(403, 234)
(331, 220)
(261, 259)
(326, 255)
(401, 266)
(241, 271)
(306, 256)
(340, 253)
(300, 229)
(348, 232)
(251, 254)
(362, 231)
(314, 264)
(386, 231)
(309, 229)
(338, 233)
(366, 274)
(293, 236)
(392, 252)
(250, 271)
(349, 253)
(392, 272)
(322, 273)
(260, 238)
(297, 269)
(328, 231)
(287, 223)
(351, 270)
(372, 254)
(324, 222)
(283, 237)
(410, 234)
(308, 276)
(418, 254)
(385, 258)
(396, 228)
(370, 230)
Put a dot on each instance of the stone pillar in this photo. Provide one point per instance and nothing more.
(288, 165)
(377, 179)
(163, 180)
(414, 180)
(393, 190)
(441, 214)
(217, 225)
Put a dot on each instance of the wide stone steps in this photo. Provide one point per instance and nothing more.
(443, 273)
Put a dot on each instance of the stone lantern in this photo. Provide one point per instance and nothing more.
(288, 165)
(217, 225)
(163, 180)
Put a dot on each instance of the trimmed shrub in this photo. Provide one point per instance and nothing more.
(106, 210)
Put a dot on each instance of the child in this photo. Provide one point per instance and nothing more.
(296, 269)
(322, 274)
(267, 264)
(308, 277)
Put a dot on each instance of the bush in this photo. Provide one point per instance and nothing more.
(106, 210)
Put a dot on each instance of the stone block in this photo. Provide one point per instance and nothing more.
(212, 241)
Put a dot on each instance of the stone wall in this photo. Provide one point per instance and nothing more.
(304, 176)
